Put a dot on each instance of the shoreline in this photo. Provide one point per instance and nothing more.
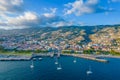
(10, 57)
(107, 56)
(97, 58)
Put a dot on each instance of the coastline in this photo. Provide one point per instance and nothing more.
(4, 57)
(108, 56)
(98, 58)
(14, 57)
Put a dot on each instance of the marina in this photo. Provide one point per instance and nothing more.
(90, 57)
(22, 58)
(46, 69)
(59, 40)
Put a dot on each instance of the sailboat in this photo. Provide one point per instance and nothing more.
(74, 60)
(40, 58)
(59, 67)
(56, 61)
(34, 58)
(32, 66)
(89, 71)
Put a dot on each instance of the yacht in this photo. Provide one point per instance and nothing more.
(74, 60)
(40, 58)
(56, 61)
(59, 67)
(32, 66)
(89, 71)
(34, 58)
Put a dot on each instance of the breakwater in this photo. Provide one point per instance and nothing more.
(89, 57)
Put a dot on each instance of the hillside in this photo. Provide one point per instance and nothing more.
(61, 37)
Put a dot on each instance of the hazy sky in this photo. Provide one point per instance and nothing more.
(17, 14)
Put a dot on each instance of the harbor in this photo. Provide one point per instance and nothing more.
(26, 58)
(66, 69)
(89, 57)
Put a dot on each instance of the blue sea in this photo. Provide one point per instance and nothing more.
(46, 69)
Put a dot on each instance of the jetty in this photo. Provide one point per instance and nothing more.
(15, 59)
(42, 55)
(89, 57)
(24, 58)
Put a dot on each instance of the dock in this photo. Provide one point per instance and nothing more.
(23, 58)
(15, 59)
(89, 57)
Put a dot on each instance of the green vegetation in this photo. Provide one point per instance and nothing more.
(41, 51)
(114, 53)
(20, 52)
(90, 51)
(68, 51)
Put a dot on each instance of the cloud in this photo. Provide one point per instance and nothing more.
(61, 23)
(14, 16)
(27, 19)
(81, 7)
(10, 6)
(51, 13)
(30, 19)
(50, 16)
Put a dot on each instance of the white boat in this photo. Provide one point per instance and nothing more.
(56, 61)
(75, 60)
(89, 71)
(40, 58)
(34, 58)
(59, 67)
(32, 66)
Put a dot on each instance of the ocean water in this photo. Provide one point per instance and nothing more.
(46, 69)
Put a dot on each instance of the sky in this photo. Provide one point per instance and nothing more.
(19, 14)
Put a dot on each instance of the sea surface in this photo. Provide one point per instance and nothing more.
(46, 69)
